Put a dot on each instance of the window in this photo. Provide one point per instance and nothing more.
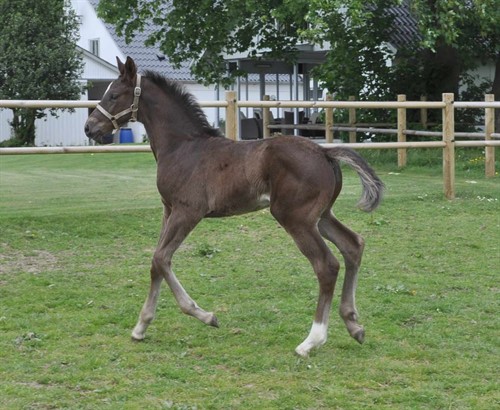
(94, 46)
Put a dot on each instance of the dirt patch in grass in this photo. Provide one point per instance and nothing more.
(37, 261)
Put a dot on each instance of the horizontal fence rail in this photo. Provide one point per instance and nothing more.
(87, 149)
(340, 104)
(47, 104)
(78, 104)
(232, 106)
(269, 104)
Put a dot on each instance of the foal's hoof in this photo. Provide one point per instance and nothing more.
(359, 336)
(214, 322)
(136, 336)
(302, 352)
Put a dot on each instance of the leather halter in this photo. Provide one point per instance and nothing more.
(132, 109)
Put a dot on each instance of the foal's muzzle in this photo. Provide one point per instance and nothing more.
(95, 131)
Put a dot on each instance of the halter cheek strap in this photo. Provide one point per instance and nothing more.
(132, 109)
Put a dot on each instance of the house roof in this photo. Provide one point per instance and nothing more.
(404, 28)
(147, 57)
(98, 60)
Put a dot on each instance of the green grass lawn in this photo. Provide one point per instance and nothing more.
(77, 233)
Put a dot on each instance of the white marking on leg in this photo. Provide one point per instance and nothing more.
(317, 337)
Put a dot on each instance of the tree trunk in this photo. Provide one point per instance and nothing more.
(23, 125)
(441, 71)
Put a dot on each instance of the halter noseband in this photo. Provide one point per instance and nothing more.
(133, 108)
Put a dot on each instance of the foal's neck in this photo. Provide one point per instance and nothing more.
(168, 124)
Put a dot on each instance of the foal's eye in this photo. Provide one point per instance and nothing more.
(113, 97)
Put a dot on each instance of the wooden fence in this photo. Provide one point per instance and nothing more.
(232, 105)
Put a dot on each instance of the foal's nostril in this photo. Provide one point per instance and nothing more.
(87, 130)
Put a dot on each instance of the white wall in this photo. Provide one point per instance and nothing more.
(95, 70)
(92, 28)
(5, 130)
(66, 130)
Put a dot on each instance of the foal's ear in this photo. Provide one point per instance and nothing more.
(121, 66)
(128, 70)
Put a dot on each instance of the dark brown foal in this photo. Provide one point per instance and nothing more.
(202, 175)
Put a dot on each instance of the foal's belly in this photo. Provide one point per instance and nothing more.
(239, 206)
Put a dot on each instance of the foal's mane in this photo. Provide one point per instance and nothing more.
(186, 101)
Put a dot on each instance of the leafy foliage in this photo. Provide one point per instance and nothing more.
(456, 37)
(203, 31)
(38, 58)
(465, 25)
(452, 34)
(358, 36)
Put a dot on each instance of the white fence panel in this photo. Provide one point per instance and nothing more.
(64, 130)
(67, 130)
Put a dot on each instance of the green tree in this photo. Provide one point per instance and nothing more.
(457, 36)
(38, 58)
(358, 34)
(201, 32)
(454, 36)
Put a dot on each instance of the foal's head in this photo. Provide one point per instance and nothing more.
(118, 105)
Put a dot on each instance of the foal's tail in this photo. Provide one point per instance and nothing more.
(373, 187)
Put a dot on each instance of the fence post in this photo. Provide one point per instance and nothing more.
(449, 148)
(401, 132)
(423, 113)
(329, 121)
(266, 119)
(489, 127)
(231, 115)
(352, 120)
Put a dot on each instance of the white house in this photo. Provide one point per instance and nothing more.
(100, 45)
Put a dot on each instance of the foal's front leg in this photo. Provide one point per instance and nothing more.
(149, 308)
(175, 229)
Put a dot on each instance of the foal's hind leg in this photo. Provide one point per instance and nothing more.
(351, 246)
(325, 265)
